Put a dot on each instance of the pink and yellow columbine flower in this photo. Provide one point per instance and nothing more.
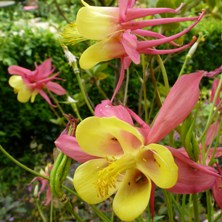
(27, 84)
(118, 33)
(125, 165)
(127, 160)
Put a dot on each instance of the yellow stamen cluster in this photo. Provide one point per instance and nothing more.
(109, 176)
(70, 34)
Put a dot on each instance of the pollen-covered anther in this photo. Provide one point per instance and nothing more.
(111, 175)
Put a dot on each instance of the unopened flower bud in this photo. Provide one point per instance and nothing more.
(36, 191)
(194, 47)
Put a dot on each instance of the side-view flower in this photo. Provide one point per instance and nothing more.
(118, 33)
(27, 84)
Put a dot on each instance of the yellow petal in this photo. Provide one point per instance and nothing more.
(16, 82)
(157, 163)
(133, 196)
(101, 52)
(86, 178)
(107, 136)
(34, 94)
(97, 23)
(24, 94)
(70, 34)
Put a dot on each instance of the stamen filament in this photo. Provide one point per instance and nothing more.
(110, 175)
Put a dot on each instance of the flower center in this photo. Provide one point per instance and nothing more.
(110, 175)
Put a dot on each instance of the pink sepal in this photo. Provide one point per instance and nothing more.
(178, 104)
(124, 5)
(192, 177)
(56, 88)
(214, 72)
(106, 109)
(129, 43)
(217, 189)
(17, 70)
(212, 132)
(69, 146)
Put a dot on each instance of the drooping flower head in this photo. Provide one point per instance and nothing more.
(27, 84)
(118, 33)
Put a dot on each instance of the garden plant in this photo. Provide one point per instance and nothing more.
(122, 101)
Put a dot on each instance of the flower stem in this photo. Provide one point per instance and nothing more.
(126, 88)
(51, 209)
(144, 89)
(164, 73)
(73, 212)
(21, 165)
(83, 90)
(169, 205)
(73, 63)
(75, 109)
(100, 214)
(195, 207)
(40, 210)
(184, 65)
(209, 207)
(56, 102)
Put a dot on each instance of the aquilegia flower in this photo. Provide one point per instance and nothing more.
(126, 160)
(119, 34)
(27, 84)
(125, 165)
(116, 31)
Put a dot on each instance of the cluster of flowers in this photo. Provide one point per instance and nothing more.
(119, 152)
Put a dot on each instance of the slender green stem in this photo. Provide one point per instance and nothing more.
(73, 212)
(209, 207)
(190, 53)
(184, 65)
(144, 89)
(83, 91)
(157, 95)
(101, 91)
(168, 200)
(56, 102)
(183, 208)
(22, 165)
(195, 207)
(70, 190)
(73, 63)
(40, 210)
(126, 88)
(100, 214)
(51, 209)
(164, 73)
(75, 109)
